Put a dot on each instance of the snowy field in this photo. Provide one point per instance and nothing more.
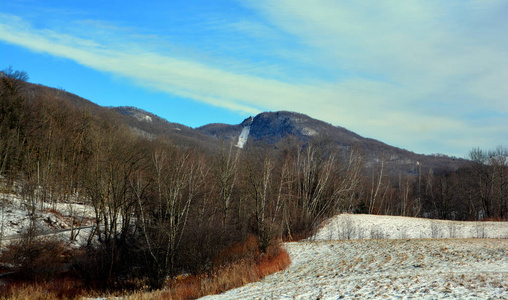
(346, 226)
(350, 256)
(407, 263)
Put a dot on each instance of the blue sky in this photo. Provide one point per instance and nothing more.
(427, 76)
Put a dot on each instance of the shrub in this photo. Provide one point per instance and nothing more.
(64, 288)
(36, 260)
(15, 74)
(247, 268)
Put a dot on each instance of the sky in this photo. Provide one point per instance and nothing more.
(428, 76)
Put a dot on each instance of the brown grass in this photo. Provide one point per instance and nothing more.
(228, 277)
(238, 265)
(493, 219)
(55, 289)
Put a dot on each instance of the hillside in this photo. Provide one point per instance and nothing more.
(265, 129)
(149, 125)
(43, 125)
(272, 127)
(141, 122)
(324, 267)
(212, 197)
(393, 180)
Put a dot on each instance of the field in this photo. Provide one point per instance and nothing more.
(423, 268)
(360, 257)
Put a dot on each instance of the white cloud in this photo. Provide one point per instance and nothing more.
(387, 58)
(413, 43)
(445, 54)
(177, 76)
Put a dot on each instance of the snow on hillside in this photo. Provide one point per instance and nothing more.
(350, 256)
(244, 135)
(395, 267)
(347, 226)
(50, 218)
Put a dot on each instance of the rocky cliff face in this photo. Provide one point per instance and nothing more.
(272, 127)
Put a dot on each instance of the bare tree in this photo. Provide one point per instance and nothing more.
(315, 178)
(226, 172)
(498, 160)
(163, 218)
(10, 73)
(404, 194)
(377, 180)
(260, 180)
(347, 181)
(284, 183)
(483, 179)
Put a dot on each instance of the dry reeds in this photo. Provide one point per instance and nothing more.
(238, 265)
(55, 289)
(231, 275)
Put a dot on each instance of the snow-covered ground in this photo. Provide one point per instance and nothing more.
(350, 256)
(393, 265)
(52, 218)
(347, 226)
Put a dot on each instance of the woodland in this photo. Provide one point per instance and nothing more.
(163, 208)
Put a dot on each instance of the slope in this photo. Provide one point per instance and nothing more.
(466, 268)
(265, 129)
(273, 127)
(139, 121)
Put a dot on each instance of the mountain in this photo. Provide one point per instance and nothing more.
(150, 125)
(272, 127)
(139, 121)
(266, 129)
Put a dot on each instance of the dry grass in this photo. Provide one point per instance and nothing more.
(493, 219)
(226, 277)
(55, 289)
(229, 276)
(240, 264)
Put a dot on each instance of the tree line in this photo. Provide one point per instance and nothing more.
(476, 191)
(161, 209)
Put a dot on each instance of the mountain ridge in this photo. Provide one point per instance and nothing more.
(267, 128)
(272, 127)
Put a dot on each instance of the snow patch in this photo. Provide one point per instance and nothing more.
(244, 135)
(309, 131)
(362, 226)
(386, 269)
(49, 218)
(143, 117)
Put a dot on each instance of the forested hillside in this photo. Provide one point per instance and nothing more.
(166, 205)
(270, 128)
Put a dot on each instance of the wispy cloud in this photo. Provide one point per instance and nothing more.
(178, 76)
(421, 45)
(408, 73)
(449, 55)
